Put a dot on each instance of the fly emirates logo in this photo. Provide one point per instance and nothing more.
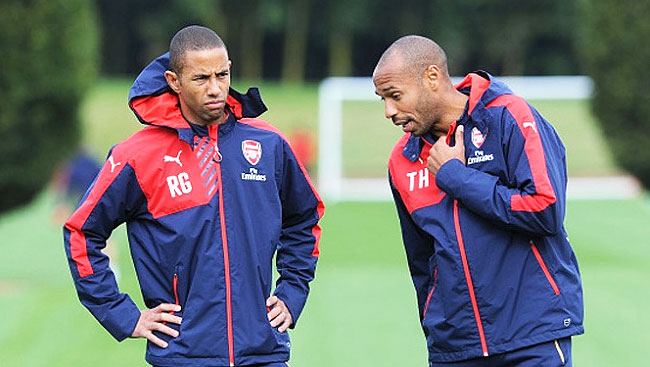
(252, 175)
(479, 157)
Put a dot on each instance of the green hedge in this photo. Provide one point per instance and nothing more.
(47, 62)
(616, 50)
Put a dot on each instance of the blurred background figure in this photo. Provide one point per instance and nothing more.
(303, 143)
(70, 182)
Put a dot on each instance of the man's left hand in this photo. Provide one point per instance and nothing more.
(279, 315)
(441, 153)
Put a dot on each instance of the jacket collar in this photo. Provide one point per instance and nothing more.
(482, 88)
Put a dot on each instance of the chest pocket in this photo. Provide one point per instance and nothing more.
(181, 178)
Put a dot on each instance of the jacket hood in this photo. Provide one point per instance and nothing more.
(154, 103)
(483, 88)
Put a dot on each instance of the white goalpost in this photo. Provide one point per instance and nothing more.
(333, 92)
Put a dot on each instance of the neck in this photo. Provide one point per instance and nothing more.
(454, 108)
(457, 104)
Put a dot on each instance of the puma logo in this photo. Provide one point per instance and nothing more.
(113, 164)
(530, 124)
(174, 159)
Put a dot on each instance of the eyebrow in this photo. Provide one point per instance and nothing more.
(386, 90)
(201, 73)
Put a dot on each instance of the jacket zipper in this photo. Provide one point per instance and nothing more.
(433, 288)
(175, 285)
(468, 278)
(550, 279)
(226, 259)
(175, 289)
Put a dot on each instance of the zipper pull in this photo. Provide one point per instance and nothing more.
(216, 156)
(213, 135)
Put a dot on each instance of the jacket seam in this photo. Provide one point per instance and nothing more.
(468, 278)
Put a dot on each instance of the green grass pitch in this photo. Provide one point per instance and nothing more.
(362, 309)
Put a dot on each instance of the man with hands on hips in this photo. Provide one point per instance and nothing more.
(155, 319)
(479, 183)
(210, 195)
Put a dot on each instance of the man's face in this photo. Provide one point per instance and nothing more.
(408, 100)
(202, 85)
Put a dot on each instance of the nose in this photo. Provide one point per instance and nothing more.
(389, 109)
(213, 87)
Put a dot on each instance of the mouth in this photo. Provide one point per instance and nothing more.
(406, 124)
(216, 104)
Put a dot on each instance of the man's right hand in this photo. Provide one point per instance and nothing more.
(154, 320)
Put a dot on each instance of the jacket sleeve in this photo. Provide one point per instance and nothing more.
(106, 205)
(533, 199)
(298, 251)
(419, 250)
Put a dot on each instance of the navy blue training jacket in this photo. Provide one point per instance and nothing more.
(205, 215)
(486, 247)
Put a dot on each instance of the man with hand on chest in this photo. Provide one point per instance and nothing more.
(479, 182)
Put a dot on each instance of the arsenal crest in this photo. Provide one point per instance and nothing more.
(477, 137)
(252, 151)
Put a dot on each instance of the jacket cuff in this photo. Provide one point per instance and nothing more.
(449, 176)
(115, 311)
(122, 319)
(295, 300)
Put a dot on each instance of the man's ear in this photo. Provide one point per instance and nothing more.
(432, 77)
(173, 80)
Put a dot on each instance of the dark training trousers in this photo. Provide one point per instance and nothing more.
(556, 353)
(272, 364)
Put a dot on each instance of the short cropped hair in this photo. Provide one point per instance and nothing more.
(417, 53)
(191, 38)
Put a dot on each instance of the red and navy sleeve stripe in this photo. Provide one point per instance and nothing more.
(79, 244)
(534, 150)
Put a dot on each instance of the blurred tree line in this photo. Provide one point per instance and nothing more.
(294, 40)
(616, 54)
(48, 55)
